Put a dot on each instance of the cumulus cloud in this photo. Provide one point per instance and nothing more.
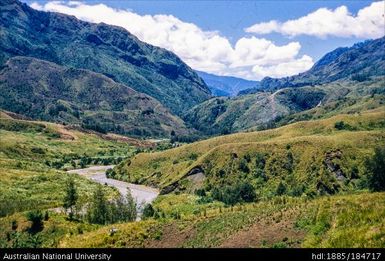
(367, 23)
(250, 57)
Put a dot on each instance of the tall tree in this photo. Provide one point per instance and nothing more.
(70, 197)
(99, 208)
(376, 167)
(131, 206)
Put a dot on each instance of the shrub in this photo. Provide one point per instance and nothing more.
(193, 156)
(281, 189)
(148, 211)
(231, 195)
(200, 192)
(243, 166)
(376, 169)
(46, 216)
(37, 150)
(341, 125)
(247, 192)
(36, 217)
(247, 157)
(110, 173)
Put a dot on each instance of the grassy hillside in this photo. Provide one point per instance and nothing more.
(33, 156)
(336, 221)
(46, 91)
(264, 109)
(306, 158)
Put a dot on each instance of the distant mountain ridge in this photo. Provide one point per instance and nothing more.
(46, 91)
(102, 48)
(226, 85)
(359, 62)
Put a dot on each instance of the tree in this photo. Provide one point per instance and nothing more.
(70, 197)
(376, 169)
(247, 192)
(123, 209)
(148, 211)
(131, 206)
(243, 166)
(98, 211)
(36, 217)
(281, 189)
(200, 192)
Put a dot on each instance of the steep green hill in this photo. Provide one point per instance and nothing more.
(101, 48)
(263, 109)
(46, 91)
(312, 157)
(359, 62)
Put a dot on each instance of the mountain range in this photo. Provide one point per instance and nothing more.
(226, 85)
(58, 68)
(101, 48)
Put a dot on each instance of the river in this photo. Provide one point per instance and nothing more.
(142, 194)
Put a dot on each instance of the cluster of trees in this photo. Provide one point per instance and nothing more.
(230, 194)
(341, 125)
(101, 210)
(188, 138)
(83, 161)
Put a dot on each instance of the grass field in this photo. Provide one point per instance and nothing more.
(355, 220)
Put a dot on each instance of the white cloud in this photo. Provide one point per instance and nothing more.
(368, 23)
(285, 68)
(250, 57)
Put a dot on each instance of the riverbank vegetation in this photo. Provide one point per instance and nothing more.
(32, 153)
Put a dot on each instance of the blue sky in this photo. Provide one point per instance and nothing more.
(230, 17)
(228, 20)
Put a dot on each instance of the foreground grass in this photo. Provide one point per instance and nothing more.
(355, 220)
(15, 227)
(42, 188)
